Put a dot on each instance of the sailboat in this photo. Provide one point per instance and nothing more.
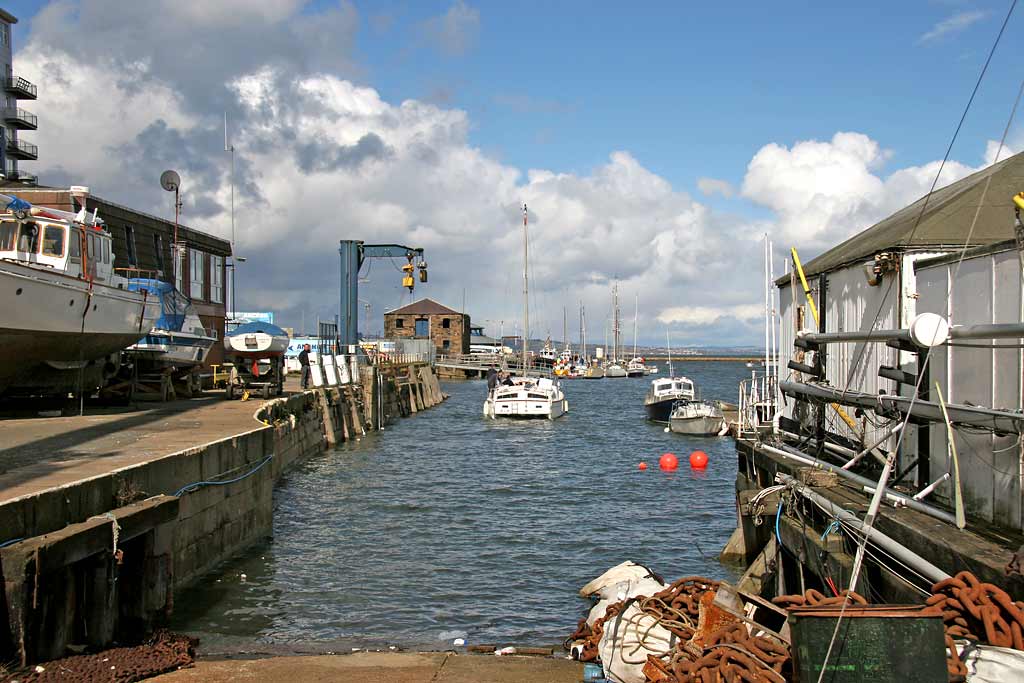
(593, 369)
(614, 367)
(636, 367)
(525, 396)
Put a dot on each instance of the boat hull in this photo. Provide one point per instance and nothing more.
(52, 317)
(173, 349)
(615, 371)
(702, 425)
(258, 345)
(659, 411)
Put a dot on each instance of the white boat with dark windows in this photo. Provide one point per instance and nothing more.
(635, 367)
(178, 339)
(664, 393)
(525, 396)
(696, 418)
(67, 313)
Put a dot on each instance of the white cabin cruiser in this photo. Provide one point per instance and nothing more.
(636, 368)
(66, 312)
(178, 338)
(527, 397)
(663, 394)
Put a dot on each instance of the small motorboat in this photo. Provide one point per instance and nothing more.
(256, 356)
(178, 340)
(636, 368)
(663, 395)
(696, 418)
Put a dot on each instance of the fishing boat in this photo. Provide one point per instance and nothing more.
(696, 418)
(665, 392)
(524, 396)
(67, 312)
(178, 338)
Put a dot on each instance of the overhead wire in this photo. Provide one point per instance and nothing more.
(862, 546)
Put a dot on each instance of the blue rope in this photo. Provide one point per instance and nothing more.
(10, 542)
(778, 516)
(834, 526)
(199, 484)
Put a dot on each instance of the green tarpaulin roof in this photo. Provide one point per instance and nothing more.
(946, 221)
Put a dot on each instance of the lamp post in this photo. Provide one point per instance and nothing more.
(231, 264)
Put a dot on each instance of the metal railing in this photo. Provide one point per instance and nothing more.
(18, 114)
(758, 403)
(24, 148)
(19, 84)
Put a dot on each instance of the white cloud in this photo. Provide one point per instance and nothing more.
(707, 315)
(712, 186)
(952, 25)
(322, 158)
(455, 32)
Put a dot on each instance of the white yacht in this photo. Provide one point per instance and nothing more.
(66, 311)
(527, 397)
(636, 368)
(178, 339)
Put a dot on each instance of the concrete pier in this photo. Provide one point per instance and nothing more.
(104, 516)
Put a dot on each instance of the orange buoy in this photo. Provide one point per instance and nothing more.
(668, 461)
(642, 466)
(698, 460)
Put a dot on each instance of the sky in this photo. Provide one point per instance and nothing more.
(655, 145)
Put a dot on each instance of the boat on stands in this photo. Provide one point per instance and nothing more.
(525, 396)
(255, 353)
(178, 338)
(67, 312)
(696, 418)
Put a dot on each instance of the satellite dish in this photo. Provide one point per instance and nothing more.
(170, 181)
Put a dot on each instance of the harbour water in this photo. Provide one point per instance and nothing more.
(452, 525)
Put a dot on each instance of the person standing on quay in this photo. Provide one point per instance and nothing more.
(304, 362)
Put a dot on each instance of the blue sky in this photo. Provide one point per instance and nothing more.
(812, 119)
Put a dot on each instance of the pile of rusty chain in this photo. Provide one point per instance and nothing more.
(977, 611)
(813, 598)
(164, 652)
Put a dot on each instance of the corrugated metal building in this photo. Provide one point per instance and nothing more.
(870, 282)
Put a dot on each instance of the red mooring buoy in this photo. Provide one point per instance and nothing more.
(642, 466)
(668, 461)
(698, 460)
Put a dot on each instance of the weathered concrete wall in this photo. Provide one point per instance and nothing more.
(215, 500)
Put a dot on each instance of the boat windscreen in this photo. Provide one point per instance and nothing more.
(8, 231)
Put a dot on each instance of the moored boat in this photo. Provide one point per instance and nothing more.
(526, 397)
(664, 393)
(696, 418)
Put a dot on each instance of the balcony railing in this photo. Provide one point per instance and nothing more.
(19, 118)
(19, 149)
(22, 176)
(25, 90)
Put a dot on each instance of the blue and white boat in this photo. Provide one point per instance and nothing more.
(178, 339)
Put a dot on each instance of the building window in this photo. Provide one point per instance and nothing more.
(129, 241)
(422, 327)
(177, 255)
(217, 279)
(5, 34)
(158, 247)
(399, 323)
(446, 344)
(446, 323)
(197, 274)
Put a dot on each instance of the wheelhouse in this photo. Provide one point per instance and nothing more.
(58, 245)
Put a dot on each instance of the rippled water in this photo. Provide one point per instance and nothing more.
(450, 524)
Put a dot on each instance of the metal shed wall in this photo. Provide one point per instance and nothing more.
(985, 289)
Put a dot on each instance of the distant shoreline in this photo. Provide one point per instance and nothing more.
(711, 359)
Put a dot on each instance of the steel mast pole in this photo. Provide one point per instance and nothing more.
(526, 293)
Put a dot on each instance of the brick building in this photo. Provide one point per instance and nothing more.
(142, 246)
(427, 319)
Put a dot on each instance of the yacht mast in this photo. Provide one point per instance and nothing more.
(636, 312)
(615, 323)
(583, 334)
(668, 342)
(526, 294)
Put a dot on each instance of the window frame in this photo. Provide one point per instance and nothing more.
(62, 232)
(129, 239)
(216, 279)
(197, 257)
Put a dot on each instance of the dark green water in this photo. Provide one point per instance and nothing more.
(449, 524)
